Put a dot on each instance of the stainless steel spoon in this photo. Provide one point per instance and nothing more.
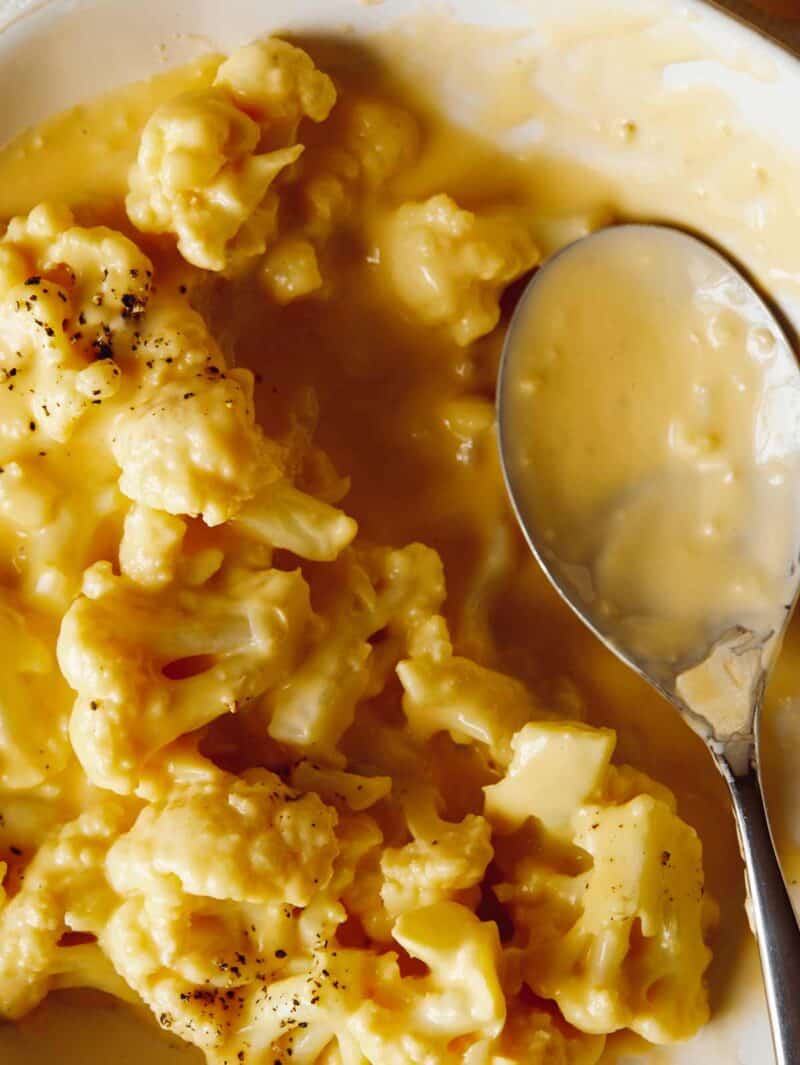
(736, 754)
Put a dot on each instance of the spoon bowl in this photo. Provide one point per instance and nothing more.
(648, 408)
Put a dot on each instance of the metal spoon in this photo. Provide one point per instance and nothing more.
(736, 753)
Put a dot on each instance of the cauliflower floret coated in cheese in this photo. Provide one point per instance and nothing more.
(211, 876)
(150, 549)
(194, 448)
(449, 266)
(337, 786)
(249, 839)
(537, 1035)
(383, 138)
(359, 1006)
(372, 141)
(278, 85)
(555, 768)
(473, 704)
(64, 891)
(418, 1018)
(382, 591)
(620, 941)
(284, 517)
(443, 861)
(290, 271)
(151, 664)
(200, 172)
(72, 294)
(198, 175)
(641, 934)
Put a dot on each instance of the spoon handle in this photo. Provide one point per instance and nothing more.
(773, 917)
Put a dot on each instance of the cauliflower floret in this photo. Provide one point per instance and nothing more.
(304, 1018)
(249, 839)
(151, 544)
(336, 786)
(194, 448)
(210, 874)
(34, 704)
(472, 703)
(536, 1035)
(641, 934)
(360, 1005)
(149, 665)
(290, 271)
(621, 943)
(278, 85)
(198, 175)
(371, 141)
(449, 266)
(555, 769)
(64, 890)
(382, 591)
(83, 290)
(201, 172)
(382, 137)
(443, 862)
(417, 1018)
(282, 516)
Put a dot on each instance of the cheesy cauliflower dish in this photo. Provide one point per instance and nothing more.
(257, 777)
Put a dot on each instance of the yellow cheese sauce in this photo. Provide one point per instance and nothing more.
(406, 411)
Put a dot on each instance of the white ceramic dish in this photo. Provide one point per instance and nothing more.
(684, 114)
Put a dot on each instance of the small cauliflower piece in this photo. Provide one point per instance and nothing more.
(34, 704)
(202, 172)
(194, 448)
(290, 271)
(418, 1018)
(473, 704)
(277, 84)
(555, 769)
(210, 876)
(82, 293)
(536, 1035)
(151, 544)
(198, 175)
(449, 266)
(382, 591)
(383, 138)
(305, 1018)
(339, 787)
(648, 873)
(444, 860)
(462, 994)
(280, 515)
(249, 839)
(149, 665)
(64, 890)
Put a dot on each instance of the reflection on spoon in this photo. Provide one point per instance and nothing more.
(649, 415)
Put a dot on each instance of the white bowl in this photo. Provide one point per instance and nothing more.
(684, 115)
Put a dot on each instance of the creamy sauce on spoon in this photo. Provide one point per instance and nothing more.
(652, 438)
